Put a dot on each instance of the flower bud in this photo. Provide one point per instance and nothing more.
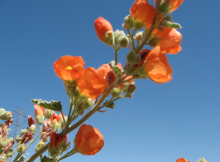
(154, 42)
(21, 148)
(62, 143)
(21, 158)
(4, 131)
(32, 129)
(202, 160)
(53, 149)
(18, 139)
(23, 131)
(139, 36)
(39, 146)
(26, 137)
(131, 89)
(109, 38)
(39, 114)
(123, 41)
(8, 122)
(116, 92)
(55, 119)
(30, 121)
(48, 113)
(128, 22)
(4, 142)
(132, 57)
(164, 6)
(5, 115)
(88, 102)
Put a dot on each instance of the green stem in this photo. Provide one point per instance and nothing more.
(70, 129)
(16, 158)
(116, 56)
(70, 109)
(131, 36)
(147, 36)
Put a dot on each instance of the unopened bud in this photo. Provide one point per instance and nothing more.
(18, 139)
(131, 89)
(62, 143)
(118, 34)
(23, 131)
(5, 115)
(30, 121)
(32, 129)
(123, 41)
(4, 142)
(48, 113)
(40, 119)
(88, 102)
(202, 160)
(132, 57)
(55, 126)
(128, 22)
(109, 38)
(164, 6)
(39, 146)
(139, 36)
(116, 92)
(21, 148)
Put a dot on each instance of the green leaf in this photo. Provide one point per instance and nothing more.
(173, 25)
(52, 105)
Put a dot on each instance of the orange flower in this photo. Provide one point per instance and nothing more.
(143, 11)
(182, 160)
(89, 140)
(103, 70)
(68, 67)
(102, 26)
(55, 117)
(171, 40)
(38, 110)
(157, 66)
(90, 83)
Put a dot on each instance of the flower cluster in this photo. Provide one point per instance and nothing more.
(86, 87)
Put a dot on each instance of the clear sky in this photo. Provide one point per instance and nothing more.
(161, 123)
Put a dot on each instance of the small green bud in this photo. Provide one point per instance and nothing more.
(118, 34)
(39, 146)
(48, 113)
(4, 142)
(21, 148)
(5, 115)
(88, 102)
(53, 151)
(168, 18)
(172, 25)
(123, 41)
(131, 89)
(202, 160)
(132, 57)
(55, 126)
(109, 38)
(39, 119)
(128, 22)
(116, 92)
(164, 6)
(23, 131)
(18, 139)
(32, 129)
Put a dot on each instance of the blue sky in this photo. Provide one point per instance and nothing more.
(161, 122)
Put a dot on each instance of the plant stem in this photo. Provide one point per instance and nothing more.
(131, 36)
(147, 36)
(116, 56)
(89, 114)
(16, 158)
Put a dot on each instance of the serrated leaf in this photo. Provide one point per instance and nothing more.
(52, 105)
(173, 25)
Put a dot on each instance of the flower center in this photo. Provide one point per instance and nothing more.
(69, 68)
